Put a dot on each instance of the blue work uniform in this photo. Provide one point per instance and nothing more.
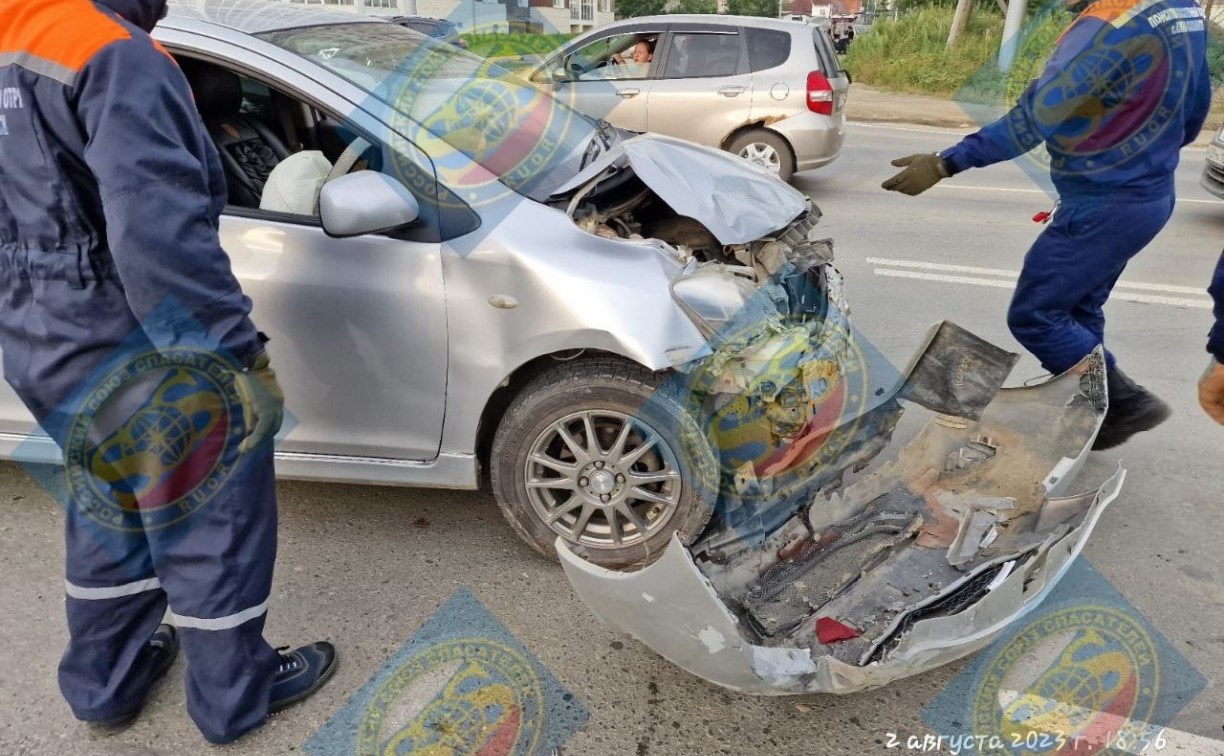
(1215, 339)
(1126, 87)
(109, 209)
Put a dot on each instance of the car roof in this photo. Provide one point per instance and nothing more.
(258, 16)
(424, 19)
(711, 19)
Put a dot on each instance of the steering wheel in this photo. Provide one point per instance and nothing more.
(348, 158)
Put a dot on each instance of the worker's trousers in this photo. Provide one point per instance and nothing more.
(162, 510)
(1057, 310)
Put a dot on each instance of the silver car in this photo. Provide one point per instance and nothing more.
(770, 91)
(1213, 172)
(486, 280)
(645, 343)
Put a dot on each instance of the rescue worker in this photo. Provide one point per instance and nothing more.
(110, 199)
(1126, 87)
(1211, 386)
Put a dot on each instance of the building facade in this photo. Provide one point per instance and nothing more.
(541, 16)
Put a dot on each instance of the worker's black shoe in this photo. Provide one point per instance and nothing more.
(1132, 409)
(162, 651)
(301, 672)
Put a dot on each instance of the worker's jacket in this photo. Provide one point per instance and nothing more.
(1215, 342)
(1125, 89)
(105, 166)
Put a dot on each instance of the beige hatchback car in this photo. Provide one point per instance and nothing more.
(770, 91)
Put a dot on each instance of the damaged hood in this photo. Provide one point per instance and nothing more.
(737, 201)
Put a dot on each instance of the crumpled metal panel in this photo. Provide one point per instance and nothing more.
(738, 202)
(978, 538)
(672, 608)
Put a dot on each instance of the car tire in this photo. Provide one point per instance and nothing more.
(765, 148)
(594, 501)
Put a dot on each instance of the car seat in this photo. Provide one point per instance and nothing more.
(249, 149)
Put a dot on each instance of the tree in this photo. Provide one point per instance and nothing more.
(696, 6)
(634, 8)
(767, 8)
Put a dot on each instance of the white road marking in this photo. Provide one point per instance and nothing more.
(999, 278)
(890, 127)
(1142, 738)
(1014, 274)
(1017, 190)
(963, 130)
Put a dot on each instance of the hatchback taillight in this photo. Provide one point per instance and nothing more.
(819, 94)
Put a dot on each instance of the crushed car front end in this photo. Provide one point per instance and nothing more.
(869, 522)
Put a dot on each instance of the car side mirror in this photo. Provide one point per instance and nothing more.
(365, 202)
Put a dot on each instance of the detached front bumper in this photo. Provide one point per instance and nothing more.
(925, 557)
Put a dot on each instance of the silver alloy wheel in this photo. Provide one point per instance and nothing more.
(763, 155)
(602, 479)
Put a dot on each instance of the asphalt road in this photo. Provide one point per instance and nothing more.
(367, 567)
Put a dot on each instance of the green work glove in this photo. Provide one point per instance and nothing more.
(922, 172)
(262, 400)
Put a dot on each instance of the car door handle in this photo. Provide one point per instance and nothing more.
(730, 91)
(627, 93)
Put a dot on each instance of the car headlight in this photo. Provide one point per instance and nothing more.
(712, 295)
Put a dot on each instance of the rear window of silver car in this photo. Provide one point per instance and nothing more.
(767, 48)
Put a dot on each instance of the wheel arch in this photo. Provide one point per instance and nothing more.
(759, 124)
(513, 384)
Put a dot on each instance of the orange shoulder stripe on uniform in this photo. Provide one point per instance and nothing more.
(63, 33)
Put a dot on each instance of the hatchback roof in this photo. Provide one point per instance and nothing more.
(714, 20)
(258, 16)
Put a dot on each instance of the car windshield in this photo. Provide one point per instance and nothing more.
(515, 131)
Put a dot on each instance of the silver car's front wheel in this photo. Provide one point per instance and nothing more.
(603, 478)
(766, 149)
(599, 453)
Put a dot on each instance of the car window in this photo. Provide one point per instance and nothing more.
(767, 48)
(824, 51)
(424, 27)
(702, 54)
(471, 104)
(621, 56)
(291, 184)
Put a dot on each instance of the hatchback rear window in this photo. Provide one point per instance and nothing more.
(767, 48)
(824, 51)
(703, 54)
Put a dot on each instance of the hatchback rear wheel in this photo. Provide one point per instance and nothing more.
(766, 149)
(602, 454)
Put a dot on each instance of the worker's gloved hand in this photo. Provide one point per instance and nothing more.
(1211, 391)
(922, 172)
(262, 400)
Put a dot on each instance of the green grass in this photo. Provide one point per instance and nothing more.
(513, 45)
(910, 55)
